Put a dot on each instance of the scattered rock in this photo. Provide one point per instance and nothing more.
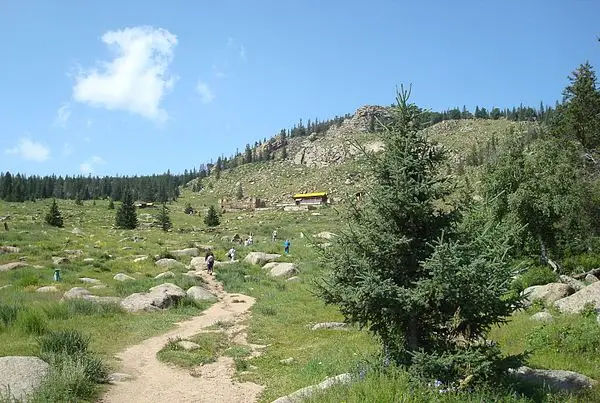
(140, 259)
(56, 260)
(197, 263)
(325, 235)
(548, 293)
(76, 292)
(158, 297)
(5, 286)
(590, 278)
(308, 391)
(89, 259)
(277, 269)
(200, 294)
(48, 288)
(260, 258)
(576, 284)
(127, 248)
(74, 252)
(575, 303)
(167, 274)
(287, 361)
(193, 274)
(186, 252)
(77, 231)
(98, 286)
(330, 325)
(122, 277)
(294, 279)
(555, 379)
(116, 377)
(12, 266)
(9, 249)
(225, 262)
(21, 375)
(542, 317)
(169, 264)
(89, 280)
(204, 248)
(188, 345)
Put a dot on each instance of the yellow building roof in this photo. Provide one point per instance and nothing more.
(305, 195)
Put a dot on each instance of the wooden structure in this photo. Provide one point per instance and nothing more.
(246, 204)
(310, 198)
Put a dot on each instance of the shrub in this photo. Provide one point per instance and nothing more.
(538, 275)
(581, 263)
(64, 341)
(33, 322)
(82, 307)
(212, 217)
(8, 314)
(572, 334)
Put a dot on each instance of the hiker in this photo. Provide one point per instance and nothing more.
(210, 262)
(274, 236)
(286, 246)
(249, 241)
(231, 254)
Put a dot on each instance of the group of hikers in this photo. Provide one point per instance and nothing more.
(209, 259)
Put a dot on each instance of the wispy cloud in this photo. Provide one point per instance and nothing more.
(62, 115)
(206, 94)
(30, 150)
(67, 150)
(137, 79)
(217, 72)
(89, 166)
(243, 53)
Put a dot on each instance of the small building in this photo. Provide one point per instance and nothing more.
(310, 198)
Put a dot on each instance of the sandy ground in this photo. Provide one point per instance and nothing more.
(158, 382)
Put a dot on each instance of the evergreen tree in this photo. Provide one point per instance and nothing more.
(111, 204)
(284, 154)
(163, 218)
(188, 208)
(239, 192)
(400, 271)
(54, 217)
(212, 217)
(126, 217)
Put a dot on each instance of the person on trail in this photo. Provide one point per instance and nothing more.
(274, 236)
(210, 262)
(231, 254)
(286, 246)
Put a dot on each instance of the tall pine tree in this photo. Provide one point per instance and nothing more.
(54, 217)
(126, 217)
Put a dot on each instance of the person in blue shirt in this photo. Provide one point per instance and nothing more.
(286, 246)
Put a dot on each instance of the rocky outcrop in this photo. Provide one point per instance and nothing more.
(200, 294)
(12, 266)
(9, 249)
(260, 258)
(576, 302)
(330, 325)
(21, 376)
(555, 379)
(122, 277)
(304, 393)
(548, 293)
(169, 264)
(158, 297)
(277, 269)
(576, 284)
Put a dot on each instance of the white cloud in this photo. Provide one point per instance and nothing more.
(206, 94)
(67, 150)
(30, 150)
(62, 115)
(243, 53)
(137, 79)
(88, 167)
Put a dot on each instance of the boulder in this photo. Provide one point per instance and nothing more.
(169, 264)
(590, 278)
(203, 248)
(102, 300)
(193, 274)
(89, 259)
(89, 280)
(9, 249)
(21, 375)
(77, 231)
(200, 294)
(542, 317)
(76, 292)
(122, 277)
(167, 274)
(548, 293)
(325, 235)
(12, 266)
(185, 252)
(304, 393)
(56, 260)
(158, 297)
(555, 379)
(74, 252)
(260, 258)
(277, 269)
(187, 345)
(140, 259)
(575, 303)
(330, 325)
(294, 279)
(197, 263)
(576, 284)
(48, 288)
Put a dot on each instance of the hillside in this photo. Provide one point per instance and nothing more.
(331, 161)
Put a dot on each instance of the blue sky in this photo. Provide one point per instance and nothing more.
(139, 87)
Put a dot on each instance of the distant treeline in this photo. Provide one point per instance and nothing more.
(165, 187)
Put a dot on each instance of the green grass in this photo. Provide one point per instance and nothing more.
(211, 344)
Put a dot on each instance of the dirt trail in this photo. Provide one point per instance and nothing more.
(158, 382)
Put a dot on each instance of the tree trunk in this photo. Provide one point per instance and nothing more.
(543, 253)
